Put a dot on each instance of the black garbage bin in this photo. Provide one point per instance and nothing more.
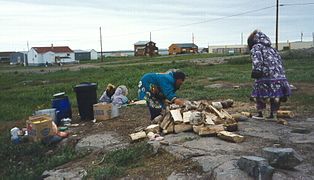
(86, 96)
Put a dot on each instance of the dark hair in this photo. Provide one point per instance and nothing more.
(179, 75)
(250, 39)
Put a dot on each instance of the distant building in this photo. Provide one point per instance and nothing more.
(19, 58)
(5, 56)
(183, 48)
(121, 53)
(145, 48)
(294, 45)
(243, 49)
(51, 55)
(228, 49)
(85, 54)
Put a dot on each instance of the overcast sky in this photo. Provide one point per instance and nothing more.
(75, 23)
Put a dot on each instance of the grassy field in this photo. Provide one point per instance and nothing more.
(23, 93)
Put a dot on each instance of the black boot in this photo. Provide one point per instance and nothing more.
(259, 115)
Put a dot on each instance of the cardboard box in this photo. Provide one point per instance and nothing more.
(39, 127)
(103, 111)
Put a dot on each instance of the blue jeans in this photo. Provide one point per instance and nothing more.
(154, 112)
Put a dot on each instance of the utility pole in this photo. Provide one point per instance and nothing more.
(150, 46)
(277, 11)
(193, 38)
(101, 58)
(301, 36)
(242, 38)
(313, 38)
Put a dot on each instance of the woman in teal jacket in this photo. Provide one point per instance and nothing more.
(155, 88)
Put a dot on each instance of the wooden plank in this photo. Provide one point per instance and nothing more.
(211, 130)
(176, 115)
(229, 136)
(182, 127)
(186, 117)
(137, 136)
(285, 114)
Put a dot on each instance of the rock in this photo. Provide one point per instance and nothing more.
(227, 103)
(155, 146)
(256, 167)
(105, 141)
(285, 158)
(214, 86)
(301, 131)
(69, 173)
(187, 176)
(310, 120)
(217, 105)
(229, 170)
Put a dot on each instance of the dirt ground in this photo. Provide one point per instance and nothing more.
(163, 164)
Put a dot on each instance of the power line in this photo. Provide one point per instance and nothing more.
(202, 22)
(212, 20)
(296, 4)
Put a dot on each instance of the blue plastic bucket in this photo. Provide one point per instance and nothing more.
(63, 108)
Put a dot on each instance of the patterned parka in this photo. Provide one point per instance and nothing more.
(273, 83)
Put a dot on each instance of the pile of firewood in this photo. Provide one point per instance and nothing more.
(203, 117)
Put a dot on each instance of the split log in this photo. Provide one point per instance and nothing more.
(153, 128)
(197, 128)
(285, 114)
(186, 117)
(229, 136)
(211, 130)
(210, 118)
(214, 110)
(197, 118)
(138, 135)
(150, 135)
(282, 121)
(169, 129)
(176, 115)
(239, 117)
(182, 127)
(202, 106)
(226, 114)
(166, 121)
(247, 114)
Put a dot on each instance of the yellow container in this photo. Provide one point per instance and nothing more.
(39, 127)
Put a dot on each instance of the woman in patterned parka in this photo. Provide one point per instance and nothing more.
(267, 69)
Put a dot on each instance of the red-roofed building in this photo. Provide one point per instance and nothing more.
(51, 55)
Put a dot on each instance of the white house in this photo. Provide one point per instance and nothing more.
(93, 54)
(51, 55)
